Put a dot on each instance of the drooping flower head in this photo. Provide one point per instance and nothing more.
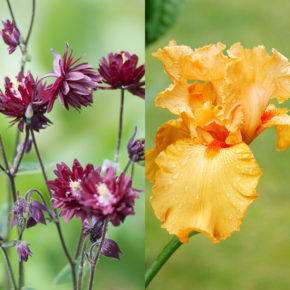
(121, 71)
(108, 195)
(23, 251)
(204, 171)
(10, 35)
(27, 212)
(136, 148)
(24, 101)
(66, 193)
(88, 195)
(74, 81)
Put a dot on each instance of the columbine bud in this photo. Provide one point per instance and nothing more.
(23, 251)
(10, 35)
(136, 148)
(29, 112)
(27, 147)
(111, 249)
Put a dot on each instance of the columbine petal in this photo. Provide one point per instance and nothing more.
(213, 187)
(167, 134)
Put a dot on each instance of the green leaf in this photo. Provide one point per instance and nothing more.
(160, 16)
(65, 276)
(9, 244)
(4, 210)
(30, 168)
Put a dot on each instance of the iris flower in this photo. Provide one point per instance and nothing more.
(204, 171)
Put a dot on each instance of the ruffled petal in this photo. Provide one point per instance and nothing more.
(276, 117)
(175, 98)
(205, 190)
(167, 134)
(207, 63)
(172, 56)
(252, 78)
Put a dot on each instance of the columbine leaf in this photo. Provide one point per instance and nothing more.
(9, 244)
(64, 276)
(3, 220)
(30, 168)
(160, 15)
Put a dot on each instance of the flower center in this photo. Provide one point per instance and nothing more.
(75, 187)
(105, 195)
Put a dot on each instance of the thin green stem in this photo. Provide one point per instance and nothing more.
(11, 11)
(9, 268)
(117, 154)
(80, 279)
(78, 248)
(56, 221)
(161, 259)
(31, 23)
(94, 262)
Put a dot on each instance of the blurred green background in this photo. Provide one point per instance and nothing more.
(92, 28)
(257, 257)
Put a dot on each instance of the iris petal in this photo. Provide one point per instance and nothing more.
(209, 193)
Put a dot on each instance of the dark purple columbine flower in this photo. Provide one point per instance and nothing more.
(24, 101)
(10, 35)
(121, 71)
(23, 251)
(30, 212)
(94, 231)
(111, 249)
(108, 196)
(36, 215)
(66, 189)
(74, 82)
(136, 148)
(18, 211)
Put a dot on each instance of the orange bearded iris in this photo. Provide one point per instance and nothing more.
(204, 172)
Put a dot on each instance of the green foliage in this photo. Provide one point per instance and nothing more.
(160, 16)
(3, 220)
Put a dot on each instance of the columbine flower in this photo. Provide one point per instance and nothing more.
(27, 213)
(204, 171)
(90, 196)
(108, 196)
(74, 82)
(66, 192)
(10, 35)
(23, 251)
(136, 148)
(24, 102)
(121, 71)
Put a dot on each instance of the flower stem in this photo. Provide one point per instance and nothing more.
(94, 262)
(117, 154)
(11, 11)
(78, 248)
(161, 259)
(82, 262)
(56, 221)
(31, 23)
(9, 268)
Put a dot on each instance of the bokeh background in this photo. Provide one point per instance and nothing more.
(92, 28)
(257, 257)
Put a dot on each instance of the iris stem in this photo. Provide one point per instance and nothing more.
(56, 220)
(163, 256)
(9, 268)
(117, 154)
(94, 262)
